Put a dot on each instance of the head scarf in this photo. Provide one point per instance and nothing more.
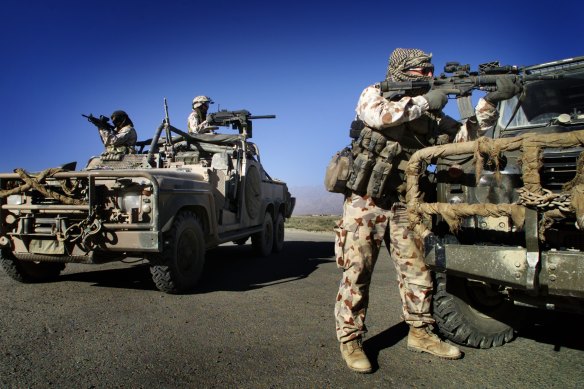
(401, 60)
(121, 119)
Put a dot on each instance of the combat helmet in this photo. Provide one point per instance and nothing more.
(200, 100)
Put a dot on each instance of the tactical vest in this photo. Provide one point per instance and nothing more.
(380, 157)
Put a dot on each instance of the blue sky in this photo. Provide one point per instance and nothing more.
(305, 62)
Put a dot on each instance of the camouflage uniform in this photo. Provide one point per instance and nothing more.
(366, 222)
(119, 142)
(486, 116)
(196, 123)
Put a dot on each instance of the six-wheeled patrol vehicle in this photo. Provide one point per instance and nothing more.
(176, 197)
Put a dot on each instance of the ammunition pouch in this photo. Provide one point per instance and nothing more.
(359, 177)
(373, 163)
(364, 161)
(382, 169)
(378, 178)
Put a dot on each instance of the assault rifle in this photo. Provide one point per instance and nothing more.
(240, 120)
(102, 122)
(462, 82)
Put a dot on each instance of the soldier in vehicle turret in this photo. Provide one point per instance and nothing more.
(196, 122)
(119, 138)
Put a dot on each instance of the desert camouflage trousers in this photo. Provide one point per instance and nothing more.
(359, 235)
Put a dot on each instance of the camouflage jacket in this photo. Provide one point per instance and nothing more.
(196, 124)
(126, 136)
(379, 113)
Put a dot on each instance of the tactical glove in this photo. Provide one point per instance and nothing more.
(506, 88)
(436, 100)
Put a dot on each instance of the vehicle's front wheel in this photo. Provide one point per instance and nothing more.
(472, 314)
(263, 241)
(183, 258)
(29, 272)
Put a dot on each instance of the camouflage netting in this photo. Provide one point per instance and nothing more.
(36, 182)
(571, 201)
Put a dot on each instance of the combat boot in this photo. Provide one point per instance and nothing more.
(353, 354)
(423, 340)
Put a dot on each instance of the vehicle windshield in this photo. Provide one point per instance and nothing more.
(544, 101)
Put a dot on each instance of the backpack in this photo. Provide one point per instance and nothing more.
(338, 171)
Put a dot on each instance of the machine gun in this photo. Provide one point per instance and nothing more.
(102, 122)
(462, 82)
(240, 120)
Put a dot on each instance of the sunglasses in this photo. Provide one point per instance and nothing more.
(425, 70)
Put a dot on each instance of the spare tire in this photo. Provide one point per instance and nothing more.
(253, 192)
(472, 314)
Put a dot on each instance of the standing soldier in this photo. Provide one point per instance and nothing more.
(374, 209)
(197, 123)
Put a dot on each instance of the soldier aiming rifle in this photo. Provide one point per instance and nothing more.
(490, 77)
(398, 117)
(119, 138)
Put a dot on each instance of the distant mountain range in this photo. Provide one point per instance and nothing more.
(315, 200)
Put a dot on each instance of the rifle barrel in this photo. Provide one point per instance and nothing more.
(387, 86)
(262, 117)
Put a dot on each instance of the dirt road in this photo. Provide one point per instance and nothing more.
(254, 323)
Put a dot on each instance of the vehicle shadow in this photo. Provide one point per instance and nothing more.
(136, 276)
(558, 329)
(227, 268)
(237, 268)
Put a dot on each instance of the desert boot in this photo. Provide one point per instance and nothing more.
(423, 340)
(353, 354)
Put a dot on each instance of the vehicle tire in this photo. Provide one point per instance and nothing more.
(278, 233)
(27, 271)
(470, 315)
(183, 256)
(263, 241)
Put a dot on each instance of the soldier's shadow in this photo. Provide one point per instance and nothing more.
(386, 339)
(556, 329)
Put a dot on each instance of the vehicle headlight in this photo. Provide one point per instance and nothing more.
(129, 201)
(15, 199)
(493, 191)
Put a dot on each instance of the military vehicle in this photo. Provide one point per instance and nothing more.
(506, 227)
(176, 197)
